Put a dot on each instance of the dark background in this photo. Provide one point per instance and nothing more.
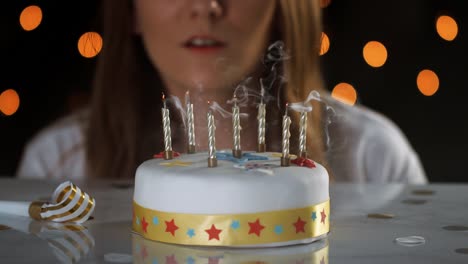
(52, 78)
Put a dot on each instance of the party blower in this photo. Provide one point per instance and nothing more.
(69, 204)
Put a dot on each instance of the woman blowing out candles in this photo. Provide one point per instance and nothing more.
(207, 48)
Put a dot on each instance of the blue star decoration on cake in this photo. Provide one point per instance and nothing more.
(314, 216)
(190, 260)
(235, 224)
(278, 229)
(155, 220)
(155, 261)
(245, 157)
(191, 232)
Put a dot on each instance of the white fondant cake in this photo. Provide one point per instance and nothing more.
(252, 201)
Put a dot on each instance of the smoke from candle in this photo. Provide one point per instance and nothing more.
(276, 54)
(306, 106)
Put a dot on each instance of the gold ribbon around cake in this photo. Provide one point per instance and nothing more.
(234, 229)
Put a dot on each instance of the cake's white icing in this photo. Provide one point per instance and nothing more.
(227, 188)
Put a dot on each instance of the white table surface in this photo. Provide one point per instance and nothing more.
(441, 218)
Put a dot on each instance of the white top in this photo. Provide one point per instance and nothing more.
(364, 146)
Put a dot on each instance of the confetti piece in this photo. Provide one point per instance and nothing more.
(456, 228)
(461, 250)
(423, 192)
(118, 258)
(414, 201)
(410, 241)
(381, 216)
(4, 227)
(122, 185)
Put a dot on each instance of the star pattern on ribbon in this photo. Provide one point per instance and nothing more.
(190, 260)
(144, 225)
(160, 155)
(171, 259)
(213, 233)
(323, 216)
(213, 260)
(256, 227)
(314, 216)
(235, 224)
(245, 157)
(279, 229)
(299, 224)
(155, 220)
(171, 227)
(176, 163)
(304, 162)
(191, 232)
(143, 253)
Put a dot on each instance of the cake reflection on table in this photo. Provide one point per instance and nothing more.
(147, 251)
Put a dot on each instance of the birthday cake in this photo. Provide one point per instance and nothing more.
(251, 201)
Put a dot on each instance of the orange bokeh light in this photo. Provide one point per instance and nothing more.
(428, 82)
(447, 27)
(90, 44)
(375, 53)
(324, 44)
(9, 102)
(31, 17)
(345, 92)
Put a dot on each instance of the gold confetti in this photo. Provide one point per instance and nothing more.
(456, 228)
(423, 192)
(4, 227)
(381, 216)
(414, 201)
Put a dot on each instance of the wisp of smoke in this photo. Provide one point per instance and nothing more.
(176, 102)
(307, 107)
(223, 112)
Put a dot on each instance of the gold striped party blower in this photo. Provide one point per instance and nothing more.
(69, 204)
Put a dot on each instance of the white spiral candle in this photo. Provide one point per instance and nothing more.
(211, 136)
(166, 128)
(286, 135)
(261, 123)
(303, 133)
(190, 124)
(236, 127)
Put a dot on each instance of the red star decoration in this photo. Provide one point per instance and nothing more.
(171, 227)
(160, 155)
(299, 224)
(213, 233)
(143, 253)
(255, 227)
(213, 260)
(323, 216)
(304, 162)
(171, 260)
(144, 225)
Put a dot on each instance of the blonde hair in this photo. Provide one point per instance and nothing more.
(301, 30)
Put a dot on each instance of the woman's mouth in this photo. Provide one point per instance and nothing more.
(204, 44)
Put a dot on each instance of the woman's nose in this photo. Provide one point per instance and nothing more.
(206, 8)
